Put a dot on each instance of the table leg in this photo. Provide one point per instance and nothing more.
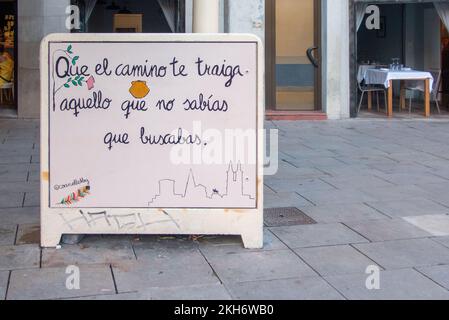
(390, 99)
(402, 95)
(427, 97)
(370, 100)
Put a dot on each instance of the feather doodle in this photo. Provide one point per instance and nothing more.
(76, 196)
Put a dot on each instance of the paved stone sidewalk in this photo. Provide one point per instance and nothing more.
(378, 190)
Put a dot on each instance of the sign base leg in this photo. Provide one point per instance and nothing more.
(50, 240)
(252, 240)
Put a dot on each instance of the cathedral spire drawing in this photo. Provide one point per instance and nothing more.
(234, 194)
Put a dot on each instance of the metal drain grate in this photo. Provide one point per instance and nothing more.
(291, 216)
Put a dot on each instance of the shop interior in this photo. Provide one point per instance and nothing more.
(411, 38)
(128, 16)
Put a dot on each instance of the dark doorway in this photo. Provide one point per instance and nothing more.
(149, 16)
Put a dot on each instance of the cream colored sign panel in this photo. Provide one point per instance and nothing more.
(151, 134)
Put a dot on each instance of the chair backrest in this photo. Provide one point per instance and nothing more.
(436, 74)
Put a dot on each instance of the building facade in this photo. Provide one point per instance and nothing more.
(313, 47)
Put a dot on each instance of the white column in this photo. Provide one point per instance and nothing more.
(36, 18)
(336, 60)
(206, 16)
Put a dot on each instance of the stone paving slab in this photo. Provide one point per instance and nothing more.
(439, 274)
(408, 178)
(19, 215)
(384, 230)
(195, 293)
(28, 234)
(201, 292)
(297, 185)
(11, 199)
(407, 167)
(287, 170)
(23, 158)
(435, 192)
(357, 182)
(335, 260)
(406, 253)
(310, 288)
(271, 242)
(263, 265)
(345, 170)
(33, 176)
(403, 192)
(18, 143)
(50, 283)
(436, 225)
(32, 199)
(409, 207)
(218, 240)
(19, 257)
(19, 187)
(405, 284)
(319, 161)
(442, 240)
(92, 250)
(147, 246)
(377, 158)
(343, 213)
(182, 268)
(7, 234)
(330, 197)
(107, 297)
(317, 235)
(4, 276)
(285, 199)
(10, 173)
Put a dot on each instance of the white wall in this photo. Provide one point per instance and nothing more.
(246, 17)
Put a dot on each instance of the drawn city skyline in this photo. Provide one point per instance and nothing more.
(233, 195)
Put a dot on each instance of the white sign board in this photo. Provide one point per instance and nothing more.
(151, 134)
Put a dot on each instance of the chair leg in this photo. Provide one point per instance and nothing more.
(361, 100)
(1, 96)
(438, 106)
(410, 106)
(377, 100)
(386, 101)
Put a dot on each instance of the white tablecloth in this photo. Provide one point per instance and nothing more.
(362, 71)
(383, 77)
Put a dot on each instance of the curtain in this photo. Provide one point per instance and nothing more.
(89, 8)
(443, 11)
(360, 9)
(169, 10)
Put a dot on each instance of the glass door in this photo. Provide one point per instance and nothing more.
(297, 55)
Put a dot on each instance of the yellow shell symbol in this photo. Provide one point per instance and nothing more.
(139, 89)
